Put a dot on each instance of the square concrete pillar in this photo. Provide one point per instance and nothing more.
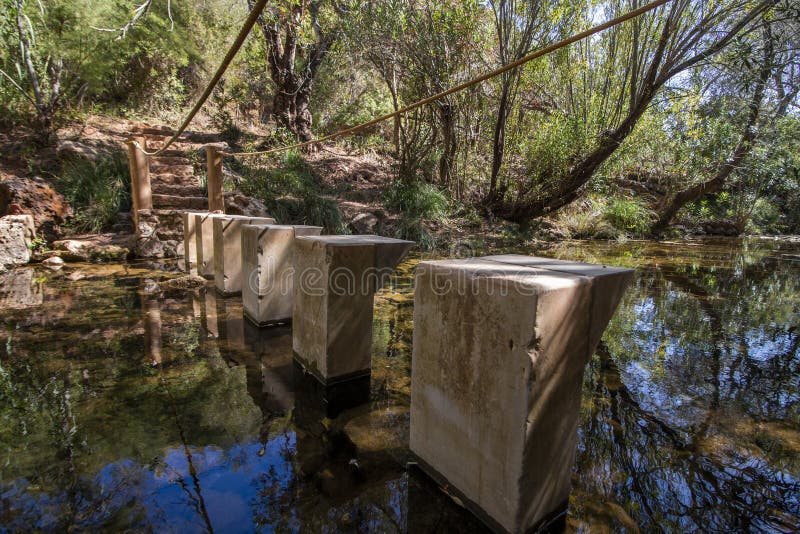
(500, 345)
(204, 243)
(228, 251)
(335, 280)
(268, 271)
(190, 241)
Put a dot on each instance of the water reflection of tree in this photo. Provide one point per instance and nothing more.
(726, 336)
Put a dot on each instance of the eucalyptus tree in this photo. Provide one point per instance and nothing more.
(753, 85)
(519, 25)
(609, 83)
(298, 35)
(36, 66)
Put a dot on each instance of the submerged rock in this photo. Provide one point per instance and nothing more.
(183, 282)
(53, 262)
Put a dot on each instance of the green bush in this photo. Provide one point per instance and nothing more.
(293, 194)
(417, 202)
(416, 198)
(628, 216)
(766, 218)
(97, 191)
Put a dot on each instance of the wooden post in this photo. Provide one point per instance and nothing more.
(214, 167)
(139, 164)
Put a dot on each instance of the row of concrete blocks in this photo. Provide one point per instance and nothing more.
(499, 347)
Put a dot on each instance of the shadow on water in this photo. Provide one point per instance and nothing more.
(123, 407)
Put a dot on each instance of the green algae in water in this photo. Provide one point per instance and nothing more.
(127, 408)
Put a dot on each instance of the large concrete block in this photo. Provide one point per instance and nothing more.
(227, 233)
(190, 241)
(335, 280)
(268, 271)
(500, 345)
(204, 243)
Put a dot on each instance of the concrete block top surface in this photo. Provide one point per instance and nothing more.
(551, 264)
(354, 240)
(388, 251)
(284, 226)
(547, 273)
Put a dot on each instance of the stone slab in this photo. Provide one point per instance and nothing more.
(228, 251)
(500, 345)
(268, 271)
(335, 280)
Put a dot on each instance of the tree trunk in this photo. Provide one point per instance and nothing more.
(499, 139)
(293, 65)
(447, 116)
(743, 148)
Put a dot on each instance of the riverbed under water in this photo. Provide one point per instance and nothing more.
(126, 410)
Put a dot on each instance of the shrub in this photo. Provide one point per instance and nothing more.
(293, 194)
(628, 216)
(417, 203)
(417, 199)
(97, 191)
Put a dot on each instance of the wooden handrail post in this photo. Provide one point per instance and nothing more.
(139, 164)
(214, 174)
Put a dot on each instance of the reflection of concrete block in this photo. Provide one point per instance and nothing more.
(227, 232)
(500, 345)
(335, 280)
(268, 271)
(190, 241)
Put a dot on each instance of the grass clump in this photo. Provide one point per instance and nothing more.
(417, 202)
(293, 194)
(97, 191)
(629, 216)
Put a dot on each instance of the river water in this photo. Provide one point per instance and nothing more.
(121, 409)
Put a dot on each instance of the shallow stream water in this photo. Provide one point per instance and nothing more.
(121, 409)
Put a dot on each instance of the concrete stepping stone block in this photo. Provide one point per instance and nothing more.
(499, 350)
(204, 243)
(190, 241)
(268, 271)
(227, 250)
(335, 280)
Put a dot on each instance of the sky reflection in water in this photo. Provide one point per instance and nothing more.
(120, 410)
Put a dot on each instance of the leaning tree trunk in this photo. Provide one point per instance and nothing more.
(743, 148)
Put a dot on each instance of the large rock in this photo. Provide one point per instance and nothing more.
(35, 197)
(268, 271)
(16, 238)
(239, 204)
(335, 280)
(500, 346)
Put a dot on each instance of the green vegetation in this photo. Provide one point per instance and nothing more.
(417, 202)
(97, 191)
(692, 106)
(293, 194)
